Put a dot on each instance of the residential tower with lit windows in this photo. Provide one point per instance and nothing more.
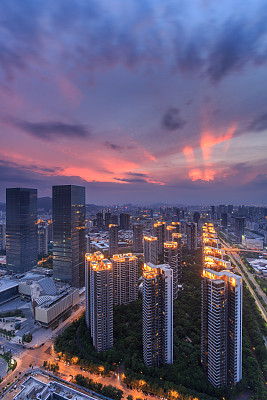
(157, 314)
(125, 278)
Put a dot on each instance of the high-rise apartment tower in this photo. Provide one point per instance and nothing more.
(157, 314)
(125, 278)
(150, 249)
(221, 327)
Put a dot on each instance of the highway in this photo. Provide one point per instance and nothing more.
(235, 258)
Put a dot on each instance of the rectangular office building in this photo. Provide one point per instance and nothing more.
(69, 244)
(21, 230)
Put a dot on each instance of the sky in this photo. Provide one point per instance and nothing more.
(139, 101)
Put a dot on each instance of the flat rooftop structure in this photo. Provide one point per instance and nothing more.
(6, 284)
(33, 388)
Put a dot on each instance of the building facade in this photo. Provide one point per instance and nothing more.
(221, 327)
(239, 227)
(150, 250)
(42, 238)
(2, 236)
(138, 238)
(101, 303)
(124, 221)
(125, 278)
(171, 257)
(159, 233)
(69, 244)
(157, 314)
(113, 239)
(21, 230)
(191, 234)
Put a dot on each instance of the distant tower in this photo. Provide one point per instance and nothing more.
(2, 236)
(124, 221)
(240, 227)
(107, 219)
(159, 232)
(138, 238)
(171, 257)
(224, 219)
(99, 220)
(113, 239)
(196, 217)
(69, 244)
(221, 327)
(150, 249)
(42, 238)
(191, 233)
(157, 314)
(21, 230)
(125, 278)
(101, 304)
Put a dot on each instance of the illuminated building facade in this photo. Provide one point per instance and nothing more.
(125, 278)
(191, 234)
(150, 249)
(113, 239)
(42, 238)
(221, 327)
(138, 238)
(157, 314)
(177, 237)
(171, 257)
(21, 230)
(100, 301)
(177, 226)
(170, 229)
(213, 255)
(159, 233)
(69, 245)
(97, 256)
(2, 236)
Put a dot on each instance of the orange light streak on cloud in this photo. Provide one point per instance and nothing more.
(208, 140)
(207, 175)
(189, 153)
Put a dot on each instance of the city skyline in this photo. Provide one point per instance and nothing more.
(157, 106)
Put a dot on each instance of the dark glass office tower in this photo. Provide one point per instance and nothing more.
(21, 229)
(69, 244)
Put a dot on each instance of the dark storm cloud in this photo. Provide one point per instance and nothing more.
(114, 146)
(20, 174)
(53, 129)
(148, 33)
(136, 174)
(131, 180)
(172, 120)
(237, 42)
(259, 123)
(117, 147)
(14, 174)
